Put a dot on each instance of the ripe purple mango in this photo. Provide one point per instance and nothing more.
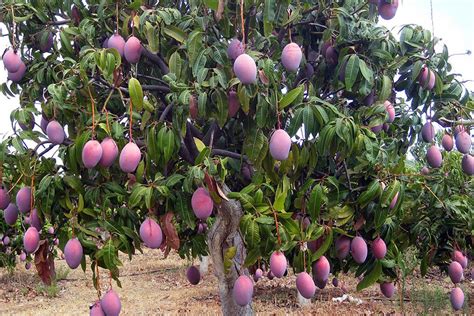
(280, 144)
(55, 133)
(193, 275)
(258, 273)
(428, 132)
(425, 171)
(278, 264)
(193, 107)
(31, 240)
(457, 298)
(116, 41)
(110, 303)
(35, 220)
(320, 283)
(130, 157)
(463, 142)
(10, 214)
(96, 310)
(91, 154)
(447, 142)
(460, 257)
(6, 241)
(379, 249)
(427, 78)
(234, 103)
(343, 246)
(28, 265)
(305, 285)
(235, 49)
(151, 234)
(22, 256)
(386, 10)
(109, 152)
(23, 199)
(335, 282)
(390, 111)
(73, 253)
(202, 227)
(359, 249)
(132, 50)
(331, 55)
(387, 289)
(245, 69)
(4, 198)
(202, 204)
(12, 60)
(243, 290)
(46, 42)
(458, 129)
(455, 272)
(468, 165)
(376, 129)
(434, 157)
(394, 201)
(44, 124)
(291, 57)
(321, 269)
(17, 75)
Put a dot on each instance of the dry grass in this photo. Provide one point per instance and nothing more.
(153, 285)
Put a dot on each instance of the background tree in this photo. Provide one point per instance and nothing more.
(201, 98)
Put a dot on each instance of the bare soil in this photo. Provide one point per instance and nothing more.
(152, 285)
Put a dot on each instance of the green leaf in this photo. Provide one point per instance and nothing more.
(386, 88)
(136, 93)
(194, 45)
(352, 70)
(175, 32)
(212, 4)
(176, 64)
(281, 194)
(315, 201)
(324, 247)
(288, 98)
(252, 257)
(367, 73)
(371, 278)
(229, 255)
(256, 146)
(250, 230)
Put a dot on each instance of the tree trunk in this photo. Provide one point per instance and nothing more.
(223, 235)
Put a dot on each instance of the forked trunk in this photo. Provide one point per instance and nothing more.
(224, 234)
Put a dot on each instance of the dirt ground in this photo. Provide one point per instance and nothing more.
(153, 285)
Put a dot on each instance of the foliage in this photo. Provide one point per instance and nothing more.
(336, 164)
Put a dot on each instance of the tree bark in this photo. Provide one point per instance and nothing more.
(223, 235)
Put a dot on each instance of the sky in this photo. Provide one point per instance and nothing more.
(453, 23)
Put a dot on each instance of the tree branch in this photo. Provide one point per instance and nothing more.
(460, 122)
(226, 153)
(157, 59)
(62, 22)
(165, 112)
(189, 142)
(46, 150)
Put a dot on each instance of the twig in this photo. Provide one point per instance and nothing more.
(347, 175)
(165, 112)
(62, 22)
(460, 122)
(39, 145)
(157, 59)
(226, 153)
(46, 150)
